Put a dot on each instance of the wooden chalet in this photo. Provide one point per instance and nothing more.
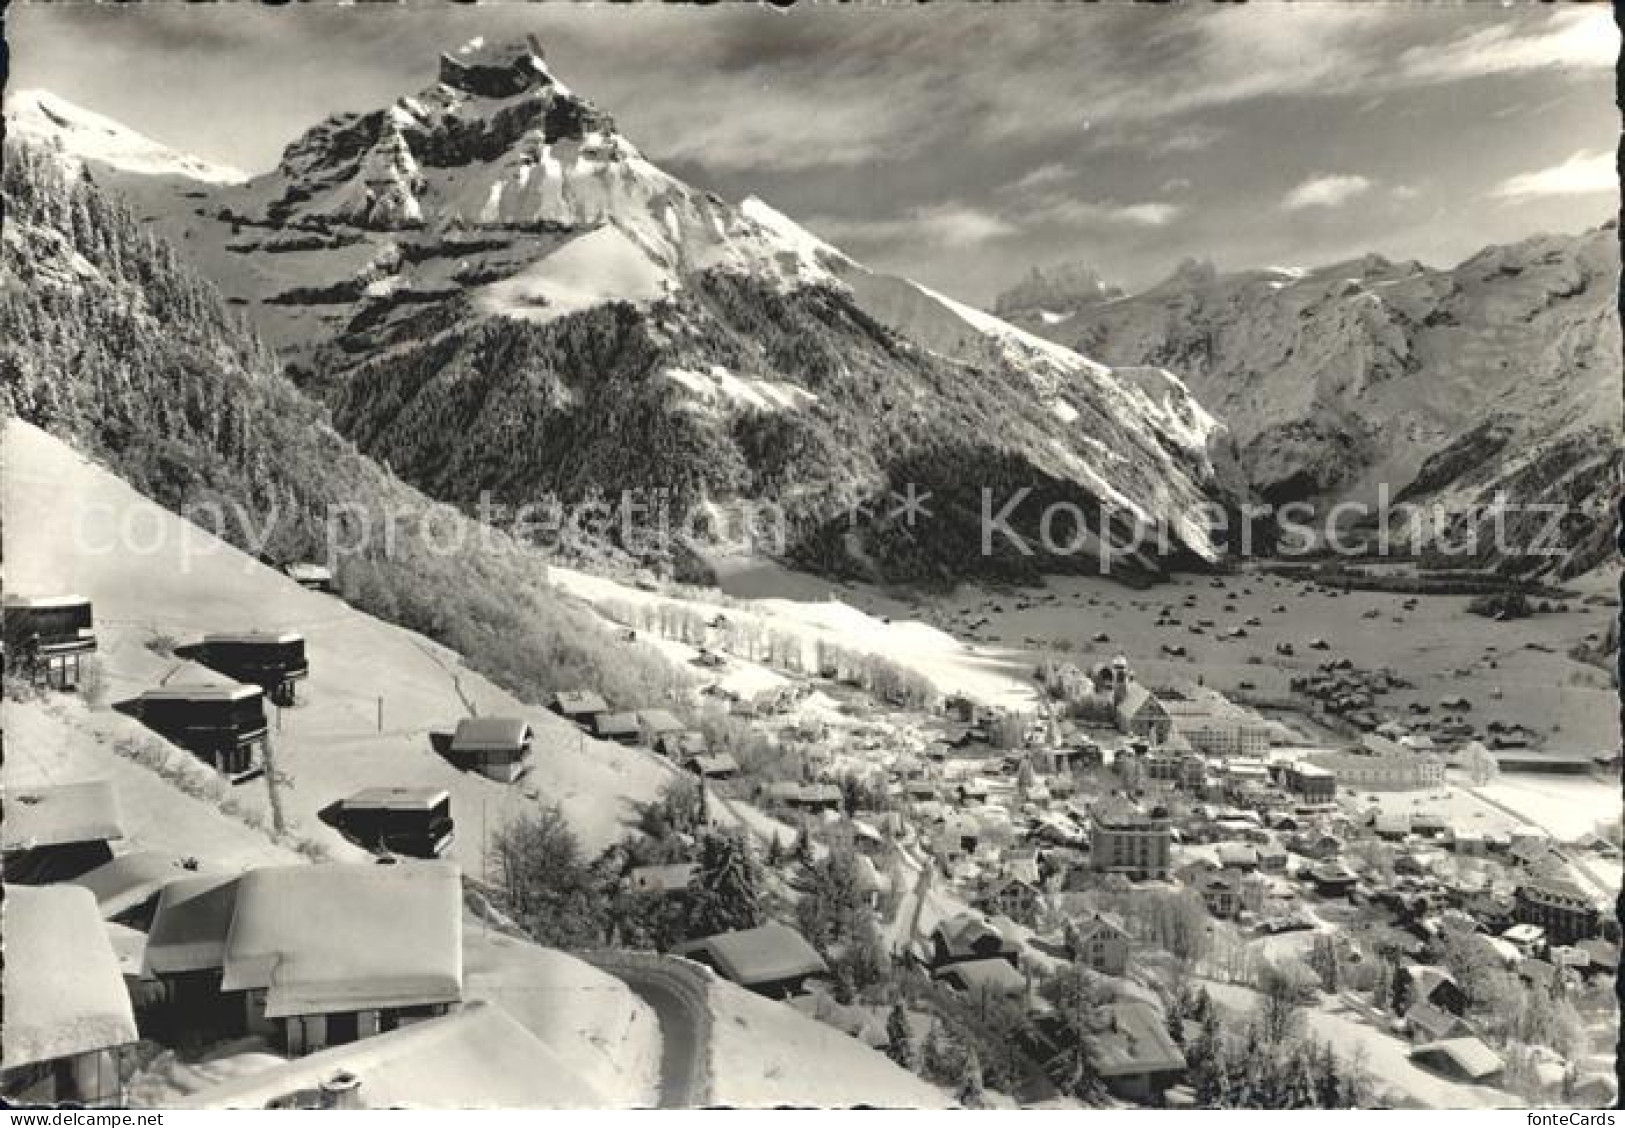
(310, 956)
(224, 725)
(580, 706)
(772, 960)
(496, 747)
(622, 728)
(66, 1013)
(414, 821)
(46, 636)
(274, 661)
(58, 832)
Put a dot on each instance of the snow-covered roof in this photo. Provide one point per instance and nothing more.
(203, 693)
(57, 814)
(191, 923)
(128, 880)
(477, 1057)
(490, 734)
(759, 955)
(253, 638)
(63, 991)
(44, 602)
(345, 937)
(396, 798)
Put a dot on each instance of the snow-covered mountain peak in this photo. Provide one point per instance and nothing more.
(84, 135)
(498, 70)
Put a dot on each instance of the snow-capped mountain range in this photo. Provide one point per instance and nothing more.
(1500, 374)
(490, 265)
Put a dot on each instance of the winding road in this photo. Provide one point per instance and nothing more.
(676, 991)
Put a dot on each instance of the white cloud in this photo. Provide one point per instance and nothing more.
(1584, 172)
(950, 224)
(1326, 192)
(1042, 177)
(1579, 37)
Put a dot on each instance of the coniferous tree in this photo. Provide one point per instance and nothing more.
(726, 888)
(899, 1039)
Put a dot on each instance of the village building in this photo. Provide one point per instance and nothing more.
(1215, 725)
(654, 725)
(1011, 897)
(1565, 912)
(65, 1011)
(771, 960)
(1331, 879)
(721, 766)
(1460, 1059)
(984, 980)
(622, 728)
(274, 661)
(809, 797)
(1379, 764)
(1425, 1022)
(1220, 891)
(47, 636)
(56, 832)
(1429, 983)
(1311, 783)
(310, 576)
(311, 956)
(580, 706)
(970, 936)
(414, 821)
(1133, 1053)
(495, 747)
(1101, 942)
(224, 725)
(1126, 840)
(661, 881)
(681, 746)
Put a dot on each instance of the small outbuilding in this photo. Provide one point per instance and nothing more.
(496, 747)
(771, 960)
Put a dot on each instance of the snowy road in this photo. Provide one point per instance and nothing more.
(676, 991)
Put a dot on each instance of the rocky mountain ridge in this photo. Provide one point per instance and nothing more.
(495, 292)
(1442, 387)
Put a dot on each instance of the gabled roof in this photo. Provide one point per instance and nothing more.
(477, 1057)
(575, 702)
(490, 734)
(673, 878)
(660, 720)
(396, 799)
(752, 956)
(63, 993)
(992, 976)
(1434, 1023)
(1470, 1056)
(128, 880)
(347, 936)
(963, 932)
(1109, 923)
(43, 602)
(1136, 1042)
(614, 724)
(719, 764)
(58, 814)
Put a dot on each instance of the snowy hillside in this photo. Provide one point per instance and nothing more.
(492, 250)
(81, 135)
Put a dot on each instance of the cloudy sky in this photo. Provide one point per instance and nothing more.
(961, 146)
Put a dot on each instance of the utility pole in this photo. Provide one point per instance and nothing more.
(380, 712)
